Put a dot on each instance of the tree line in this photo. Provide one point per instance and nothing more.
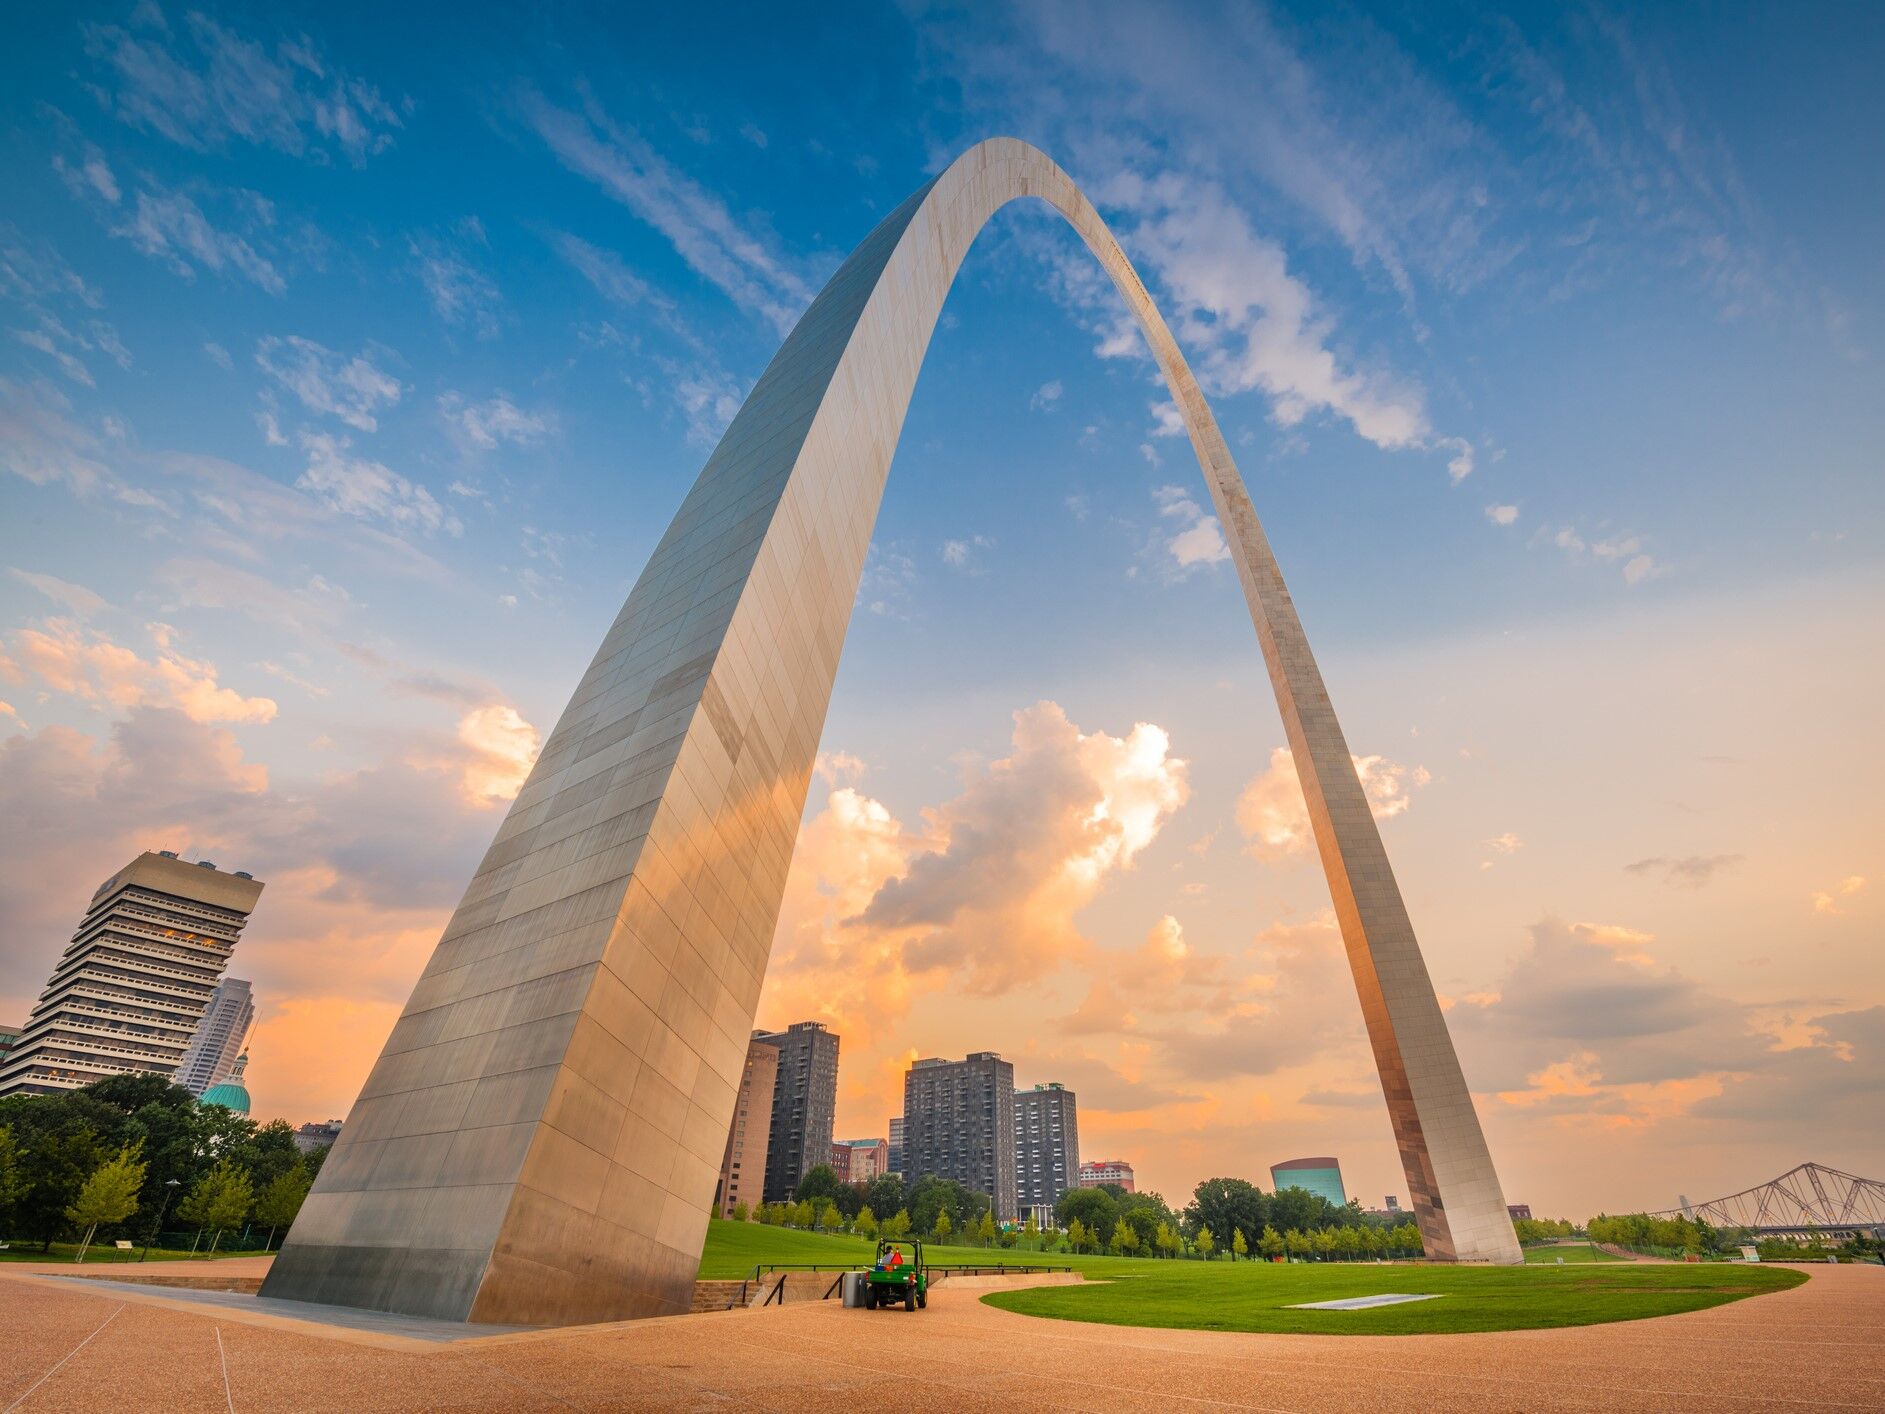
(114, 1158)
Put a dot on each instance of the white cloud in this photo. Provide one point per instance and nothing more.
(461, 293)
(219, 355)
(1831, 903)
(73, 598)
(1460, 465)
(1502, 515)
(500, 748)
(961, 554)
(352, 389)
(1635, 564)
(1046, 396)
(1199, 539)
(496, 419)
(173, 228)
(368, 489)
(604, 269)
(1274, 817)
(222, 87)
(740, 259)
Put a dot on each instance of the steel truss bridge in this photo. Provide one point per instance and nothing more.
(1809, 1200)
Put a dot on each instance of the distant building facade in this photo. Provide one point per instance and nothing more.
(1106, 1171)
(317, 1135)
(1515, 1211)
(958, 1122)
(896, 1146)
(130, 989)
(860, 1160)
(743, 1166)
(1321, 1176)
(8, 1035)
(231, 1094)
(220, 1036)
(804, 1106)
(1046, 1145)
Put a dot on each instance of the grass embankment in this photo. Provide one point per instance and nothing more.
(1571, 1252)
(107, 1254)
(1255, 1296)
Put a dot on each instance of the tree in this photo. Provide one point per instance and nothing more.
(1271, 1243)
(1167, 1241)
(1030, 1229)
(985, 1229)
(13, 1180)
(1076, 1235)
(930, 1195)
(898, 1226)
(943, 1225)
(865, 1223)
(1238, 1246)
(1125, 1241)
(281, 1200)
(742, 1213)
(1300, 1209)
(1322, 1242)
(1297, 1244)
(820, 1181)
(108, 1196)
(219, 1200)
(1094, 1208)
(1226, 1204)
(883, 1194)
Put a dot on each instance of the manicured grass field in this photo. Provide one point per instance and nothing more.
(1254, 1296)
(1571, 1252)
(66, 1251)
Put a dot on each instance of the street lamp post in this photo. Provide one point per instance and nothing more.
(170, 1190)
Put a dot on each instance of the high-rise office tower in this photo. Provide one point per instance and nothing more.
(804, 1106)
(1046, 1145)
(132, 985)
(743, 1166)
(219, 1038)
(896, 1146)
(958, 1122)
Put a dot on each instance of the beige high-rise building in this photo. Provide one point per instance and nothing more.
(130, 989)
(743, 1167)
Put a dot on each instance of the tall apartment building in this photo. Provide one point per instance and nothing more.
(220, 1035)
(1118, 1171)
(895, 1158)
(1046, 1145)
(804, 1106)
(131, 987)
(743, 1166)
(958, 1122)
(1321, 1176)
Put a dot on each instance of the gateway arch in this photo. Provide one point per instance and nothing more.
(539, 1139)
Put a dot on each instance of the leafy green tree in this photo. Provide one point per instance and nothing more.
(1094, 1208)
(219, 1200)
(108, 1195)
(1125, 1240)
(944, 1225)
(742, 1213)
(1030, 1229)
(930, 1195)
(1300, 1209)
(54, 1164)
(898, 1226)
(1166, 1241)
(1298, 1244)
(883, 1194)
(1204, 1243)
(14, 1184)
(866, 1223)
(1270, 1244)
(820, 1181)
(985, 1229)
(281, 1199)
(1226, 1204)
(1076, 1235)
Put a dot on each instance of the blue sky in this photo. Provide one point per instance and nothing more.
(354, 360)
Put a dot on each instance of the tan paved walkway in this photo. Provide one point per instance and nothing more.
(62, 1347)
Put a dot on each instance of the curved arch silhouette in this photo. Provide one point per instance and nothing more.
(540, 1138)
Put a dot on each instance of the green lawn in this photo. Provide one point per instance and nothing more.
(66, 1251)
(1571, 1252)
(1253, 1296)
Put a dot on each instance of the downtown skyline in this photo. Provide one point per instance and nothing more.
(346, 391)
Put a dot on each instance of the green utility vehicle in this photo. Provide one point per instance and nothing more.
(897, 1276)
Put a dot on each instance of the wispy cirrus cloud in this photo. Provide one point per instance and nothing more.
(353, 389)
(735, 254)
(204, 86)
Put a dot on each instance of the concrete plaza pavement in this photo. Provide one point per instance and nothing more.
(68, 1345)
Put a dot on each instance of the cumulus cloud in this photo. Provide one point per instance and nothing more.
(86, 664)
(352, 389)
(1197, 538)
(1627, 552)
(1274, 818)
(1832, 903)
(962, 554)
(1046, 397)
(368, 489)
(500, 748)
(1502, 515)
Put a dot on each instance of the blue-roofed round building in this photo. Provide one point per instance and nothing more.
(231, 1094)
